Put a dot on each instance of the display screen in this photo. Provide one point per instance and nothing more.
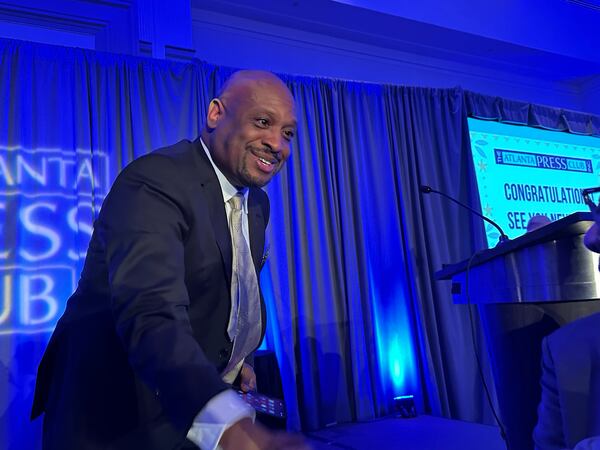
(523, 172)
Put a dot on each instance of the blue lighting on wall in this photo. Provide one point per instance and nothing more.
(394, 336)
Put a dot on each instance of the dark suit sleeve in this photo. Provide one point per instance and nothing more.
(548, 433)
(143, 225)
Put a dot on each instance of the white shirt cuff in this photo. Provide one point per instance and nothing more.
(222, 411)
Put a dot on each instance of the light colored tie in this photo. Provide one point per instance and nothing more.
(245, 330)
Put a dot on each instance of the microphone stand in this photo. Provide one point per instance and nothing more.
(428, 189)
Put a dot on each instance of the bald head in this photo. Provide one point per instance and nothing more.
(243, 82)
(249, 127)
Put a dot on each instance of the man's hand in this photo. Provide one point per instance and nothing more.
(247, 378)
(592, 238)
(245, 435)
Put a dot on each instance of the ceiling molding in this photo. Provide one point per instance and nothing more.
(222, 23)
(112, 23)
(54, 19)
(351, 23)
(589, 4)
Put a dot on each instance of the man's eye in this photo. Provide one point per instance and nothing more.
(289, 134)
(262, 122)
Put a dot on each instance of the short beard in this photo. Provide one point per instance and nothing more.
(250, 181)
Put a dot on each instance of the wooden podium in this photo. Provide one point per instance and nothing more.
(525, 289)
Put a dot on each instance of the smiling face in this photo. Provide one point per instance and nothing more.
(249, 128)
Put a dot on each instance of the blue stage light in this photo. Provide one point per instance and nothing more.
(404, 405)
(394, 337)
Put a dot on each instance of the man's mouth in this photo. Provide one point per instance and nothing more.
(267, 162)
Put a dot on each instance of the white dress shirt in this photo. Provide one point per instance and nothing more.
(225, 408)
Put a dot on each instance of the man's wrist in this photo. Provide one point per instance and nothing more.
(220, 413)
(245, 433)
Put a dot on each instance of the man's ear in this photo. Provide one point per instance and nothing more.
(216, 111)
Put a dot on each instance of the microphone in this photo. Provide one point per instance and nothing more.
(428, 190)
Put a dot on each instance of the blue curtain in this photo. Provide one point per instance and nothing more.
(432, 147)
(338, 262)
(354, 316)
(487, 107)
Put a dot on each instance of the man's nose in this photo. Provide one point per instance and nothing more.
(274, 140)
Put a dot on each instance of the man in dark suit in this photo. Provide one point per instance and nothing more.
(144, 354)
(569, 410)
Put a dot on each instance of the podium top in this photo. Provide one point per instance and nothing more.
(574, 224)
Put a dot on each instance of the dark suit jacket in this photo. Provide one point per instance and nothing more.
(569, 410)
(139, 349)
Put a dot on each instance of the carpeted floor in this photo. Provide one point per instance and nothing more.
(420, 433)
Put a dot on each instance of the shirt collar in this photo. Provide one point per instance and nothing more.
(227, 189)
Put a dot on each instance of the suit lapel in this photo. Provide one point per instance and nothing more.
(256, 230)
(218, 216)
(215, 209)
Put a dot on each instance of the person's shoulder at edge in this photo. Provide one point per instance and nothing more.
(592, 443)
(592, 238)
(587, 325)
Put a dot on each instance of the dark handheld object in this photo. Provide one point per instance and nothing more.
(587, 196)
(428, 189)
(264, 404)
